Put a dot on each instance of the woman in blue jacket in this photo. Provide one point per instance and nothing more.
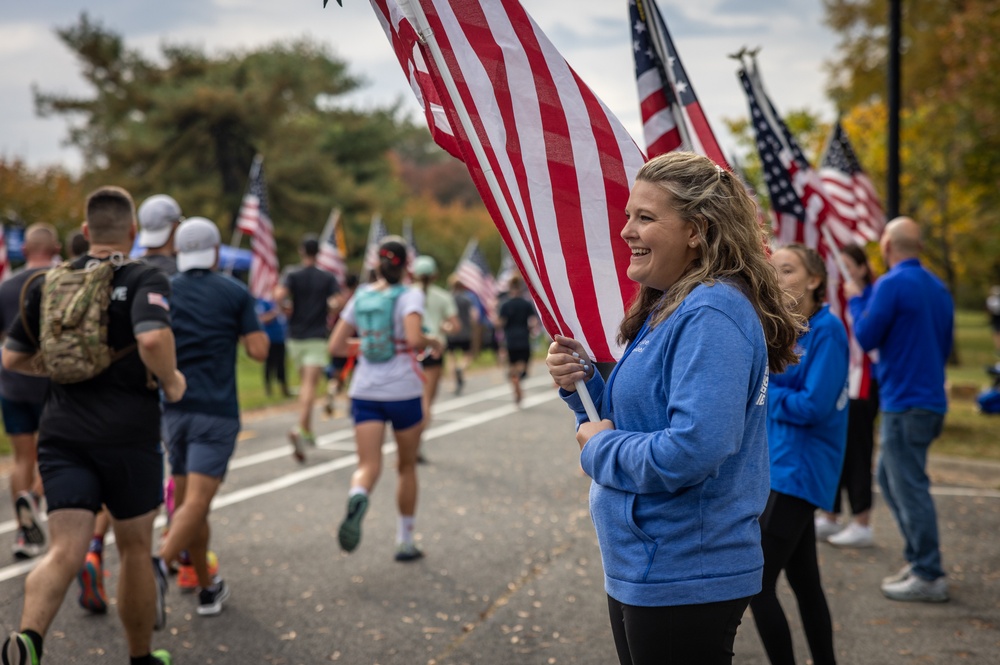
(806, 435)
(679, 461)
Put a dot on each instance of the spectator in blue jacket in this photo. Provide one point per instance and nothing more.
(679, 459)
(806, 436)
(910, 320)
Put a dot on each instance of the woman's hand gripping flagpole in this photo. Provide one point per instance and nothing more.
(570, 367)
(415, 12)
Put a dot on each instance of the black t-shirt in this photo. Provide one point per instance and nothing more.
(13, 385)
(516, 315)
(309, 287)
(116, 407)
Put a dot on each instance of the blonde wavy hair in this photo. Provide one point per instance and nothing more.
(731, 247)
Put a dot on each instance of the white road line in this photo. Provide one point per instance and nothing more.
(302, 475)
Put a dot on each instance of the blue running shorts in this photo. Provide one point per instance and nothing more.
(402, 414)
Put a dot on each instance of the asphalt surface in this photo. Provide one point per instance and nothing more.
(512, 572)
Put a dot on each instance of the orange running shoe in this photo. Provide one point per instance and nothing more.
(91, 578)
(187, 578)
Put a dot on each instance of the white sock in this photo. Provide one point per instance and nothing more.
(357, 489)
(404, 529)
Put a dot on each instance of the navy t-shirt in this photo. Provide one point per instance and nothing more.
(15, 386)
(210, 312)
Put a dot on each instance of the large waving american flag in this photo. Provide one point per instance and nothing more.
(551, 162)
(672, 118)
(848, 186)
(254, 220)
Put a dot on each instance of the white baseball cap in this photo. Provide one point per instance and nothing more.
(197, 244)
(157, 216)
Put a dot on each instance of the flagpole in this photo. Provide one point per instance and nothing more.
(841, 266)
(237, 237)
(659, 43)
(426, 35)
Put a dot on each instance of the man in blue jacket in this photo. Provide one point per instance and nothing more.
(910, 320)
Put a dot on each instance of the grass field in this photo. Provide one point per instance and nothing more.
(967, 433)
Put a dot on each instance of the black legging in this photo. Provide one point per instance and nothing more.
(274, 366)
(856, 476)
(788, 537)
(681, 634)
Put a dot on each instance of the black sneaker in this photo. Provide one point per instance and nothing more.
(349, 534)
(19, 650)
(408, 552)
(210, 600)
(160, 575)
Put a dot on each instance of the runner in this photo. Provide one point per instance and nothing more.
(460, 340)
(201, 429)
(99, 441)
(159, 216)
(307, 293)
(440, 318)
(518, 321)
(22, 397)
(382, 391)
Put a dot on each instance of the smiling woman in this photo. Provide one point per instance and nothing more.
(679, 461)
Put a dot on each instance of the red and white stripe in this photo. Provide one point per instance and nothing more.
(564, 163)
(330, 257)
(264, 263)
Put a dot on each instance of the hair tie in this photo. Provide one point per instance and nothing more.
(389, 254)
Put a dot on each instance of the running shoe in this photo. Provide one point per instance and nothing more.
(29, 517)
(298, 445)
(349, 534)
(187, 578)
(91, 578)
(210, 600)
(163, 656)
(160, 573)
(21, 548)
(20, 650)
(408, 552)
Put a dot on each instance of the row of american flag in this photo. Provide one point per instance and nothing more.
(554, 166)
(254, 221)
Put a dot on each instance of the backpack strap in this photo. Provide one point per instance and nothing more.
(22, 310)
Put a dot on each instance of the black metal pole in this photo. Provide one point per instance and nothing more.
(894, 78)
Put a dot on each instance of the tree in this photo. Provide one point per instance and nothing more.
(190, 125)
(950, 125)
(44, 195)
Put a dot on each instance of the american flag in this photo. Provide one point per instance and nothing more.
(543, 142)
(802, 210)
(376, 232)
(254, 219)
(507, 270)
(475, 274)
(849, 188)
(332, 254)
(672, 118)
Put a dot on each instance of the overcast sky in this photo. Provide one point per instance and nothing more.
(593, 36)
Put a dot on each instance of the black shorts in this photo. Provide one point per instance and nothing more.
(465, 345)
(515, 356)
(128, 479)
(431, 361)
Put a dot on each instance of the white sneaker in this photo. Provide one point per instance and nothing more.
(826, 527)
(855, 535)
(900, 575)
(915, 589)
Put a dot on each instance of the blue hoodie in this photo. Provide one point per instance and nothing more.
(680, 482)
(807, 414)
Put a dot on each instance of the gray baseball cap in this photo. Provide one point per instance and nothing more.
(157, 216)
(197, 244)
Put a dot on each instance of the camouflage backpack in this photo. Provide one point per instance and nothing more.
(73, 321)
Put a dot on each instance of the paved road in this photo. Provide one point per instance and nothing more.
(512, 572)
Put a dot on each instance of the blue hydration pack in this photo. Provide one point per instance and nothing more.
(373, 313)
